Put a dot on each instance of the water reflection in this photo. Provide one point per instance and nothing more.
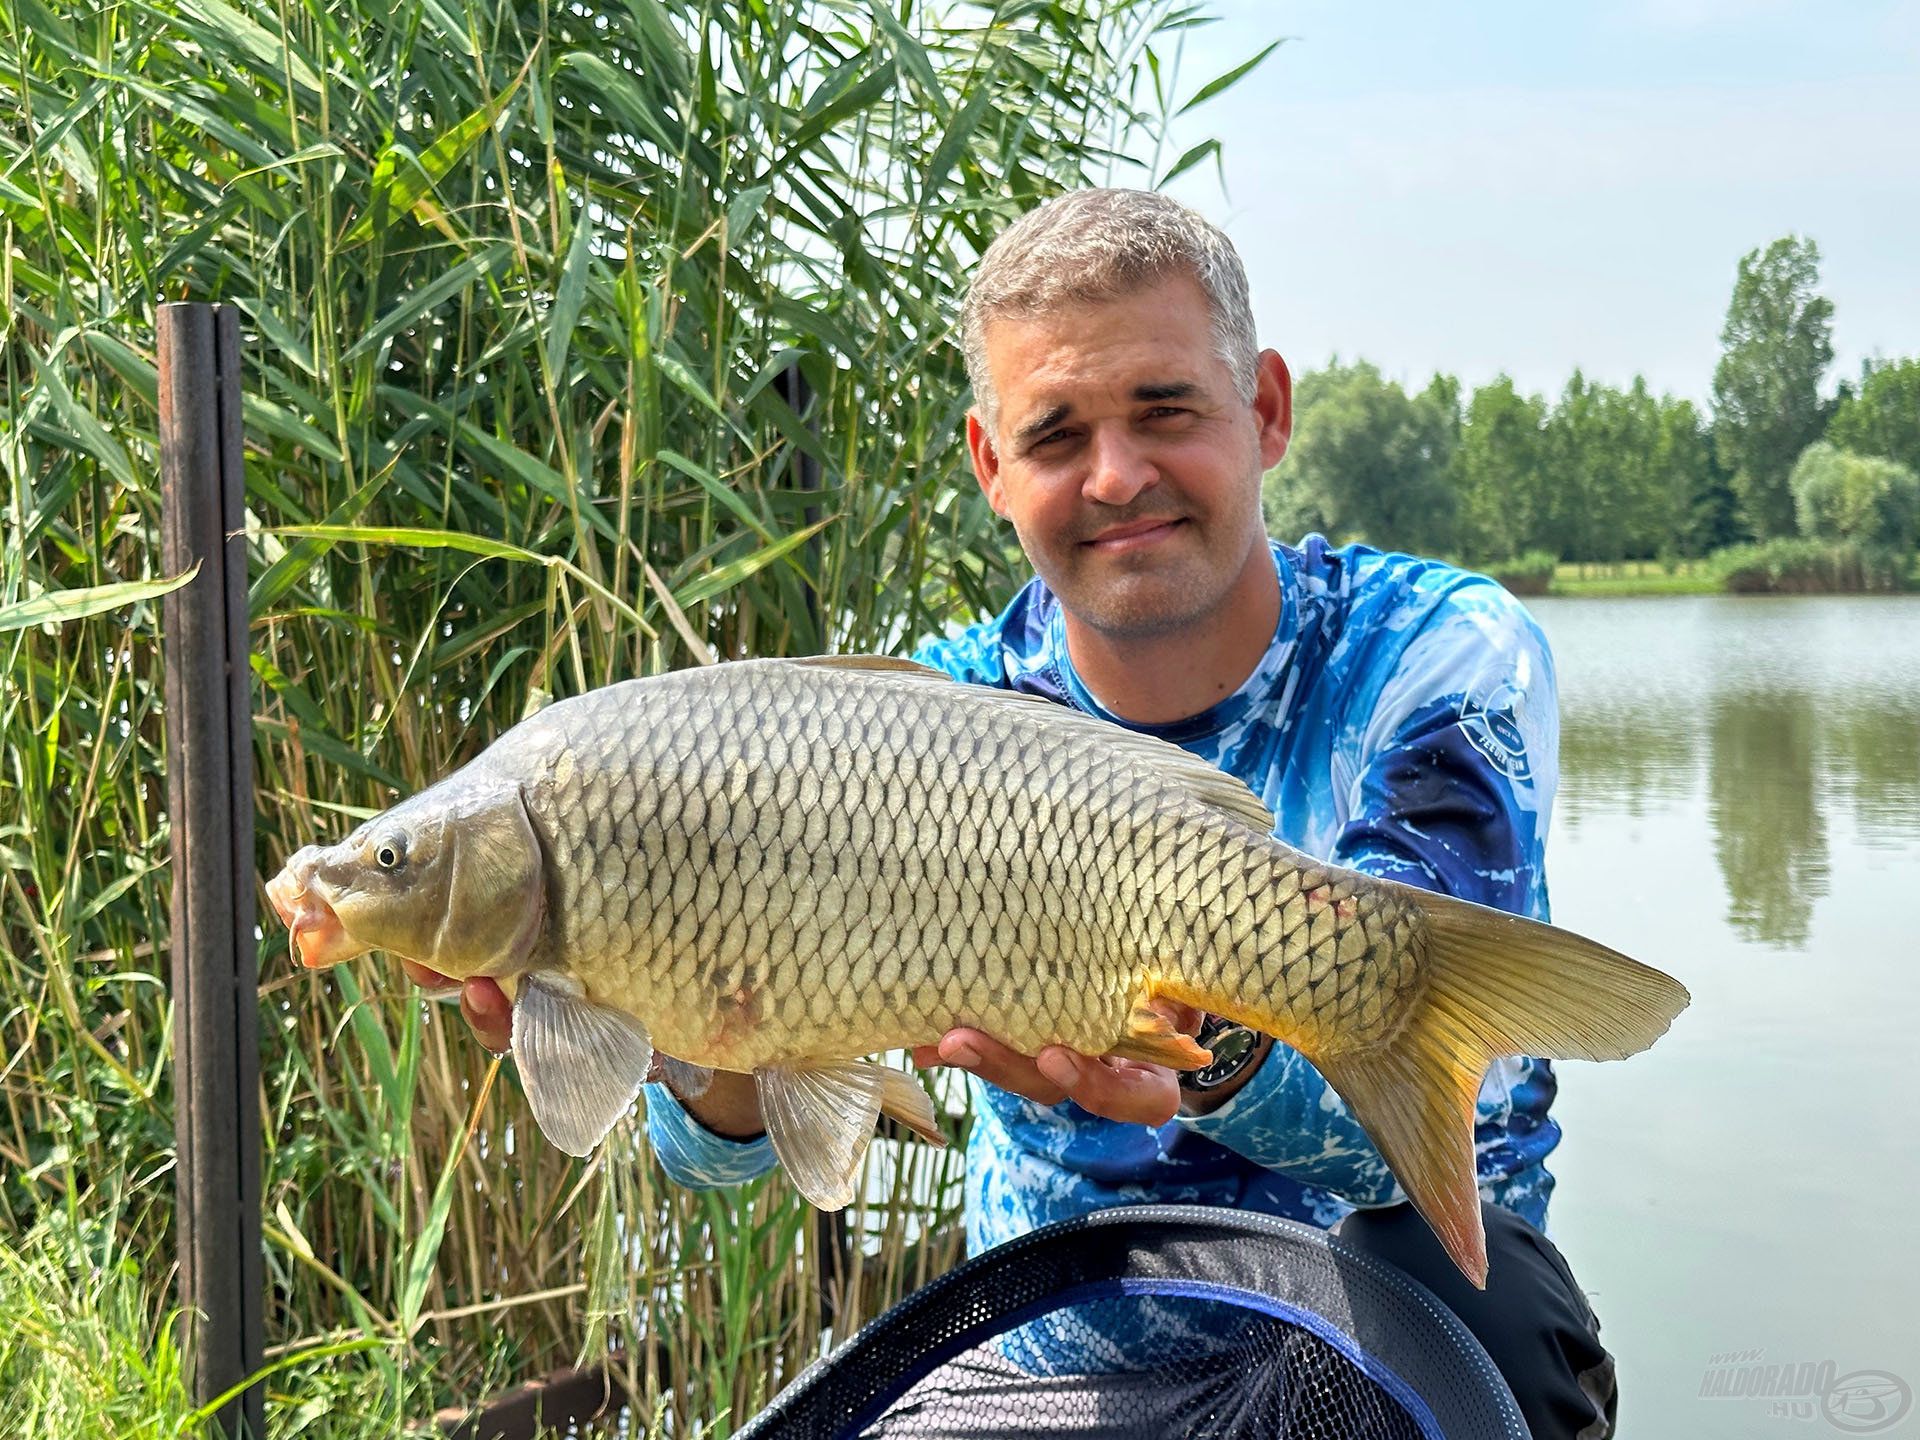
(1769, 834)
(1780, 719)
(1875, 752)
(1627, 760)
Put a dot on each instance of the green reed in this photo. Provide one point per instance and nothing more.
(525, 291)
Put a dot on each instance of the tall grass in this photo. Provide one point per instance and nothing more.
(529, 292)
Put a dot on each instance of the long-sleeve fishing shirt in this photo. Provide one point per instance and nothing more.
(1403, 722)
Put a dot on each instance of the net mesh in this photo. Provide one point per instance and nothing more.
(1217, 1370)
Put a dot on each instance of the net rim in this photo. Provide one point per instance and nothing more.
(1453, 1381)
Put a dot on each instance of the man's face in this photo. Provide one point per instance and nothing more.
(1126, 459)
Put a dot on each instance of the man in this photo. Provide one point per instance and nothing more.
(1396, 714)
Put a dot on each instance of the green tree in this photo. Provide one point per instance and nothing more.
(1567, 527)
(1776, 346)
(1696, 504)
(1498, 480)
(1368, 462)
(1642, 492)
(1866, 499)
(1601, 445)
(1882, 417)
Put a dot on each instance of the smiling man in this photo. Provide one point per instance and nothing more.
(1396, 714)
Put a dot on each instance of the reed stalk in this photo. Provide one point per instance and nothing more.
(523, 288)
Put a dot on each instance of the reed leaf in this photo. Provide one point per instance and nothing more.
(582, 341)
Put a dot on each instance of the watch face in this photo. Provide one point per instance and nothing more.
(1232, 1046)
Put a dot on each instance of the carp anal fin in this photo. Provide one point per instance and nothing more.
(581, 1064)
(903, 1098)
(821, 1118)
(1150, 1036)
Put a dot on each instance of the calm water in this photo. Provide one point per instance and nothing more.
(1740, 804)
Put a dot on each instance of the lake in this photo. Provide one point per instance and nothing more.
(1740, 805)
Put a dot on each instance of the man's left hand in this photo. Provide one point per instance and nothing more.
(1133, 1091)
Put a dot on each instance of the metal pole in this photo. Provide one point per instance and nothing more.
(834, 1261)
(210, 806)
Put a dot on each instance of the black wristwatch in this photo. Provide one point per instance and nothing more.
(1234, 1048)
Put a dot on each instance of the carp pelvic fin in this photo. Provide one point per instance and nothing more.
(687, 1081)
(1150, 1036)
(581, 1064)
(821, 1117)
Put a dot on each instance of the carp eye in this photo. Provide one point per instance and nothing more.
(390, 853)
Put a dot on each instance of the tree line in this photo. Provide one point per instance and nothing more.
(1604, 474)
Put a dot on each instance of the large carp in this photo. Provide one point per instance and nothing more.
(779, 867)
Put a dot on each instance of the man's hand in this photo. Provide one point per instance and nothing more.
(482, 1002)
(1134, 1091)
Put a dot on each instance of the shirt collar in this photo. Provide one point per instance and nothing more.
(1269, 678)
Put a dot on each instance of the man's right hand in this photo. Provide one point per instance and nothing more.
(482, 1002)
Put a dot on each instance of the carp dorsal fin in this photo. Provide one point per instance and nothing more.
(1204, 781)
(820, 1117)
(888, 664)
(581, 1064)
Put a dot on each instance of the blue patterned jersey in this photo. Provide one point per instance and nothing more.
(1402, 722)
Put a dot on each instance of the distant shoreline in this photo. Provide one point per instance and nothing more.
(1651, 577)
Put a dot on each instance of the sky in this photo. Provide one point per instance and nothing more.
(1528, 188)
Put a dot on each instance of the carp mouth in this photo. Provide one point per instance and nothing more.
(314, 929)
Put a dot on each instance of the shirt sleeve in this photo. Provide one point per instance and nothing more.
(1455, 765)
(1452, 768)
(693, 1155)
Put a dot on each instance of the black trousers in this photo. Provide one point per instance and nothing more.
(1532, 1318)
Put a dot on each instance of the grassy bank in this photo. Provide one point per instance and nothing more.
(1637, 577)
(1708, 576)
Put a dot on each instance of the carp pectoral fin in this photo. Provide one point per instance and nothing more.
(581, 1064)
(686, 1080)
(1150, 1036)
(820, 1118)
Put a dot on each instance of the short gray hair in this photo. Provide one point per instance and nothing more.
(1095, 245)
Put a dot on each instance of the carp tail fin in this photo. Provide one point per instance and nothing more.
(1497, 985)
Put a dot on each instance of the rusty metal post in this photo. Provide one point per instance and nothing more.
(210, 807)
